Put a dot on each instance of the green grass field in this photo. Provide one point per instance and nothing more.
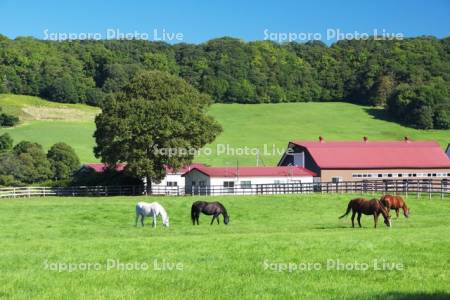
(251, 126)
(221, 262)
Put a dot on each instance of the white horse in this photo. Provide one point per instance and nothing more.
(154, 209)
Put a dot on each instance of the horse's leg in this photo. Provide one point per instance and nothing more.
(217, 219)
(359, 220)
(375, 219)
(142, 220)
(154, 222)
(353, 219)
(214, 216)
(397, 211)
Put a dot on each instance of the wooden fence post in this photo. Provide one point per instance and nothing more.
(430, 186)
(418, 188)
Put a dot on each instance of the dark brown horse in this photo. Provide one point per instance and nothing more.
(368, 207)
(208, 208)
(395, 202)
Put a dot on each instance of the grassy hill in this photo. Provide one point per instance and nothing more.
(251, 126)
(48, 122)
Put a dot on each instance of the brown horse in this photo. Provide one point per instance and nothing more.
(395, 202)
(368, 207)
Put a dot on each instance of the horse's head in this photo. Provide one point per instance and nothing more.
(166, 222)
(406, 211)
(226, 219)
(386, 215)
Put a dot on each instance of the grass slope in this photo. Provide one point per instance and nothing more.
(221, 262)
(249, 126)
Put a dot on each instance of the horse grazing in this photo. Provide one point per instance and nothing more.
(154, 209)
(368, 207)
(209, 208)
(395, 202)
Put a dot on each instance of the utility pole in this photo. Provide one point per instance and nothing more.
(257, 158)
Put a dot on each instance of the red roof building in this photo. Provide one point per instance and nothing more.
(245, 180)
(357, 160)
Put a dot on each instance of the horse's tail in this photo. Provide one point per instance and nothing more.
(349, 208)
(193, 210)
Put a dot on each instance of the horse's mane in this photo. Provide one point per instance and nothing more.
(223, 207)
(383, 209)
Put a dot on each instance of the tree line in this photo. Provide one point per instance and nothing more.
(409, 78)
(28, 163)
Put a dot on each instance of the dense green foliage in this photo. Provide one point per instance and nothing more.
(110, 177)
(156, 111)
(7, 120)
(27, 162)
(63, 161)
(222, 262)
(6, 142)
(370, 72)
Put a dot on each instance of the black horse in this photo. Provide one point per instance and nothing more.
(209, 208)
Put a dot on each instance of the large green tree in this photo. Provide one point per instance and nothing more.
(6, 142)
(157, 121)
(63, 161)
(32, 164)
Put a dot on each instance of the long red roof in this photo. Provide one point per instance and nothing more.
(185, 169)
(376, 154)
(100, 167)
(290, 171)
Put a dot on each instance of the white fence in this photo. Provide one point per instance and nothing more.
(15, 192)
(406, 187)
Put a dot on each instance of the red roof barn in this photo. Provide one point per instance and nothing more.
(354, 160)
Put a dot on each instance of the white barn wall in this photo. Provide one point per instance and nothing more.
(171, 178)
(217, 182)
(263, 179)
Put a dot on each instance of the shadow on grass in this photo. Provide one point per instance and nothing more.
(413, 296)
(330, 227)
(381, 114)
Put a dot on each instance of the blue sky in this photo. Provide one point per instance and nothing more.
(199, 21)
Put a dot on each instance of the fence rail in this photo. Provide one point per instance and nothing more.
(130, 190)
(406, 187)
(418, 187)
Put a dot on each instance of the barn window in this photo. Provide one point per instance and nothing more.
(336, 179)
(380, 175)
(228, 184)
(172, 183)
(246, 184)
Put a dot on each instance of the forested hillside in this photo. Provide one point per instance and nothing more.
(410, 78)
